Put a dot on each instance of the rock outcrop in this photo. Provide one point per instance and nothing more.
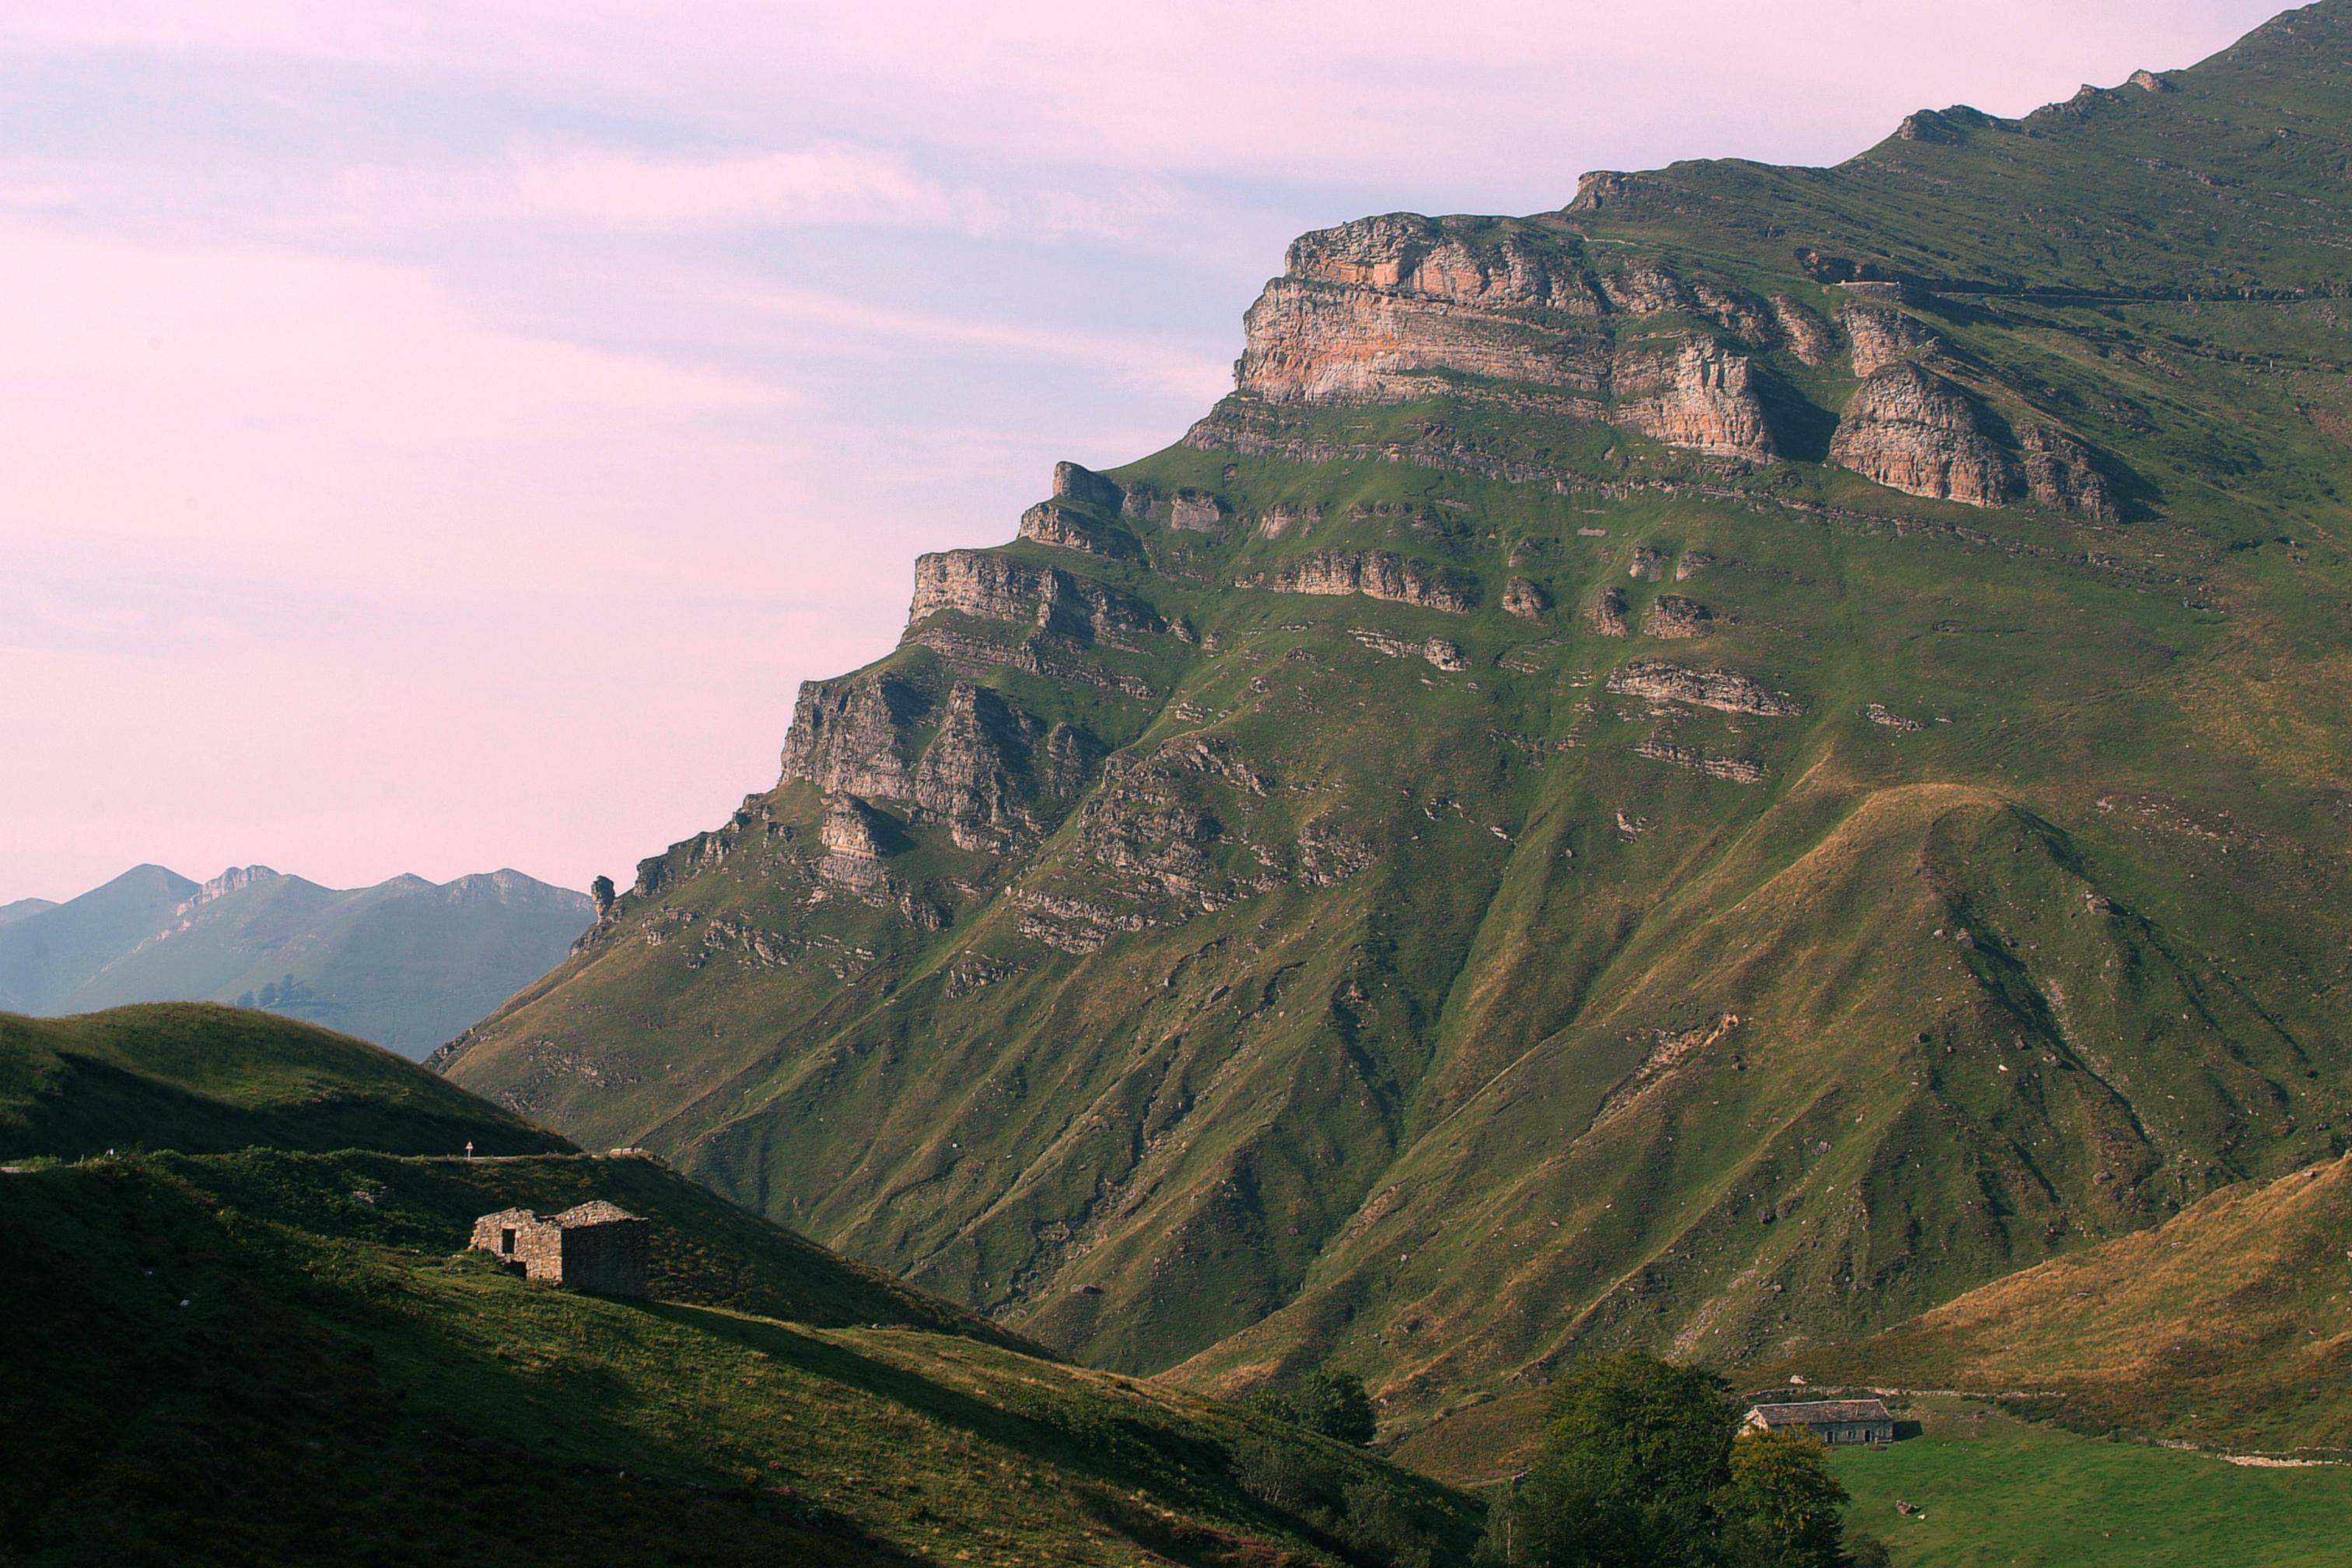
(1676, 615)
(1399, 308)
(1811, 339)
(853, 851)
(1065, 528)
(1087, 488)
(1721, 689)
(1526, 599)
(2062, 474)
(1191, 511)
(1608, 615)
(1881, 337)
(1699, 395)
(1911, 430)
(847, 734)
(1376, 574)
(989, 767)
(996, 588)
(1732, 770)
(994, 775)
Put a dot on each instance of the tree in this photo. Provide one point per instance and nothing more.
(270, 993)
(1331, 1403)
(244, 999)
(1782, 1509)
(1336, 1405)
(1637, 1451)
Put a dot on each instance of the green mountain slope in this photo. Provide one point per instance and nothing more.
(2228, 1326)
(242, 1363)
(1711, 768)
(406, 964)
(204, 1079)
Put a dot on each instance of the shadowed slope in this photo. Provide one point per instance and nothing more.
(202, 1079)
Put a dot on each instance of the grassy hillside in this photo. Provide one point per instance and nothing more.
(1996, 1492)
(1554, 818)
(202, 1079)
(2229, 1326)
(242, 1363)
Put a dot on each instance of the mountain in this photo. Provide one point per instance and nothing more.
(406, 964)
(205, 1079)
(274, 1357)
(24, 907)
(1714, 769)
(51, 952)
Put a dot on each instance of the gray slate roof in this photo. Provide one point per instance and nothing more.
(1815, 1412)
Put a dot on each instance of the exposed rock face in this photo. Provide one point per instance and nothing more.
(1191, 511)
(1608, 616)
(2062, 474)
(1944, 127)
(1692, 565)
(1415, 255)
(2148, 81)
(846, 734)
(1810, 338)
(992, 587)
(1702, 397)
(996, 776)
(1913, 431)
(1674, 615)
(1732, 770)
(1065, 529)
(1316, 343)
(1087, 488)
(1720, 690)
(1882, 337)
(1281, 521)
(1445, 654)
(1394, 308)
(1877, 713)
(853, 851)
(1648, 565)
(1376, 574)
(990, 767)
(1526, 599)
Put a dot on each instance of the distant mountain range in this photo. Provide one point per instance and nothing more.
(406, 964)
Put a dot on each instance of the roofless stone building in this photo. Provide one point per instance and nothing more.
(597, 1246)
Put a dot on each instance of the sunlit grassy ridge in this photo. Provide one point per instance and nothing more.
(205, 1079)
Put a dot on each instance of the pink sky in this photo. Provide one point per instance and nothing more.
(439, 436)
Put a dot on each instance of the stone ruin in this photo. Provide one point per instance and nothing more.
(597, 1246)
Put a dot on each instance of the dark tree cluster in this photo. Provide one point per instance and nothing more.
(1643, 1466)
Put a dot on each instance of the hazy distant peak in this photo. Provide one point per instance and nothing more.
(24, 907)
(229, 881)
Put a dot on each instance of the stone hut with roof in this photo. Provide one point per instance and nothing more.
(1835, 1421)
(597, 1246)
